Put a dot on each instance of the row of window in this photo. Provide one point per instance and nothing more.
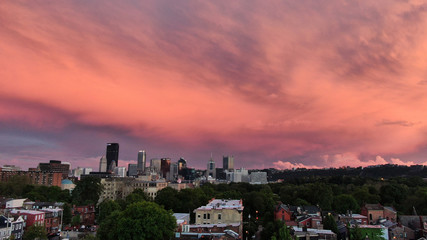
(208, 216)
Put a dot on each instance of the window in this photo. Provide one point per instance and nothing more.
(219, 216)
(198, 216)
(204, 216)
(209, 216)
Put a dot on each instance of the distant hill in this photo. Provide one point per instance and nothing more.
(379, 171)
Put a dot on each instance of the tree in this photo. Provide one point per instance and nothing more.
(355, 233)
(138, 195)
(345, 202)
(168, 198)
(330, 224)
(35, 232)
(87, 191)
(139, 221)
(284, 233)
(106, 208)
(76, 220)
(67, 214)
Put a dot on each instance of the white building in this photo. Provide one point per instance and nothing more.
(239, 175)
(258, 178)
(15, 203)
(120, 171)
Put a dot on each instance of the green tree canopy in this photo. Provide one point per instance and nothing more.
(106, 208)
(35, 232)
(345, 202)
(139, 221)
(87, 191)
(330, 223)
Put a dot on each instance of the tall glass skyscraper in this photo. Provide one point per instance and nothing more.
(141, 162)
(112, 155)
(228, 162)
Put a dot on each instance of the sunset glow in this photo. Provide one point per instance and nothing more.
(275, 83)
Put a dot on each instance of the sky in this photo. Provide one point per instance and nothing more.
(276, 83)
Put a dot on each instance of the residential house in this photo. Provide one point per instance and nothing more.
(375, 212)
(5, 228)
(313, 234)
(52, 221)
(17, 227)
(87, 214)
(219, 215)
(31, 217)
(417, 223)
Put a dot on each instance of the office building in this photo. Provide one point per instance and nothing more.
(238, 175)
(120, 171)
(211, 171)
(103, 164)
(132, 170)
(155, 165)
(228, 163)
(258, 178)
(182, 164)
(112, 155)
(165, 166)
(141, 162)
(173, 172)
(55, 166)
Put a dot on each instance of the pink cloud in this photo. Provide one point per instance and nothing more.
(281, 80)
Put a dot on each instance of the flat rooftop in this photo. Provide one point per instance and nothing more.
(223, 204)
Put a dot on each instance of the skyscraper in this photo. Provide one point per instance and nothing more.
(155, 165)
(103, 164)
(228, 162)
(211, 171)
(165, 166)
(132, 170)
(112, 155)
(141, 162)
(182, 164)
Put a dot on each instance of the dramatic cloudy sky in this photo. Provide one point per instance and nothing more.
(278, 83)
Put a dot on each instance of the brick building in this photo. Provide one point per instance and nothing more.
(35, 177)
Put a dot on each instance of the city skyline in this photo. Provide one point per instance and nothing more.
(275, 84)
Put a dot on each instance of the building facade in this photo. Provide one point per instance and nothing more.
(220, 211)
(141, 161)
(112, 155)
(228, 163)
(35, 177)
(55, 166)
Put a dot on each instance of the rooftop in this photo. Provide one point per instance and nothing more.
(223, 204)
(32, 212)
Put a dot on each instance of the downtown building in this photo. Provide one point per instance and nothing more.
(112, 155)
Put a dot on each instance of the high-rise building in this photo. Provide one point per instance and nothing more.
(173, 172)
(103, 164)
(120, 171)
(182, 164)
(132, 170)
(55, 166)
(112, 155)
(165, 166)
(211, 171)
(155, 165)
(141, 162)
(228, 162)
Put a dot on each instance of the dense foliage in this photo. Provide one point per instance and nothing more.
(87, 191)
(35, 232)
(140, 221)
